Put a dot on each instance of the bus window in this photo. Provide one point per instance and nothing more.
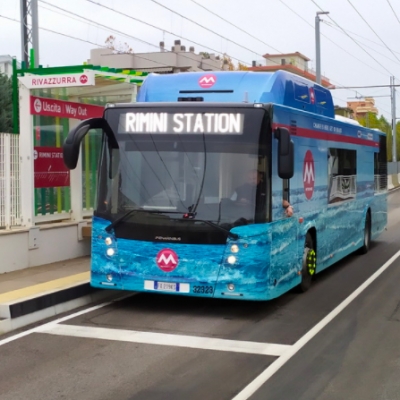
(301, 93)
(342, 175)
(321, 98)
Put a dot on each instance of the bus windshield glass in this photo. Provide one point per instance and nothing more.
(194, 163)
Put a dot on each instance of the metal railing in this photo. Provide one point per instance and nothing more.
(343, 187)
(380, 183)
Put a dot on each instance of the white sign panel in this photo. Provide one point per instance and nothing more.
(182, 123)
(85, 78)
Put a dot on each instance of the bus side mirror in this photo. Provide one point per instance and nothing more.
(75, 136)
(285, 153)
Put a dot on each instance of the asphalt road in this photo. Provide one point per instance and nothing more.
(153, 347)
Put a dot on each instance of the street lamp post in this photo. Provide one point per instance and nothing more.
(318, 46)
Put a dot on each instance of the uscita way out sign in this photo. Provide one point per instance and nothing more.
(64, 109)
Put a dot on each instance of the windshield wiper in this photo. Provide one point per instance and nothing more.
(216, 226)
(131, 212)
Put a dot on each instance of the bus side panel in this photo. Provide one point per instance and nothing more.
(339, 223)
(378, 214)
(286, 258)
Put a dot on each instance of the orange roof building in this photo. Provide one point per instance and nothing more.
(295, 63)
(361, 108)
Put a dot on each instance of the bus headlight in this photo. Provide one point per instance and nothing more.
(231, 260)
(234, 248)
(108, 241)
(110, 252)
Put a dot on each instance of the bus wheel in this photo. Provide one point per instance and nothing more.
(309, 264)
(367, 235)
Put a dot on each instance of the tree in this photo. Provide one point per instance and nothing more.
(205, 55)
(242, 67)
(226, 60)
(117, 47)
(6, 123)
(372, 121)
(231, 66)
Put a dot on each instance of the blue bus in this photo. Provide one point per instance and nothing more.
(238, 185)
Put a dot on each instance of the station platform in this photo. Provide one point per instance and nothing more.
(33, 294)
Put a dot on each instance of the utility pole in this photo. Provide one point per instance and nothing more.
(393, 95)
(318, 46)
(29, 32)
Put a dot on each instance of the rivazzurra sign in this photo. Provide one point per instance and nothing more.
(85, 78)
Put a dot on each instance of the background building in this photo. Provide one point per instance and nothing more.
(178, 59)
(6, 65)
(362, 107)
(296, 63)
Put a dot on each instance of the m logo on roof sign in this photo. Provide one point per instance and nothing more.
(207, 81)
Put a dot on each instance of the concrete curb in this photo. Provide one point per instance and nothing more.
(23, 312)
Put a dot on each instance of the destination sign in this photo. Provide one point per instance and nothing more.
(182, 123)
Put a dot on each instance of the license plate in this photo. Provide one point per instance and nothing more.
(167, 286)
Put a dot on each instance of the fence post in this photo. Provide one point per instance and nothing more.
(26, 158)
(7, 180)
(76, 190)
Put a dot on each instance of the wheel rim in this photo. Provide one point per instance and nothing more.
(311, 262)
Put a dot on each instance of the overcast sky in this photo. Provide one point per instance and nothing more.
(360, 43)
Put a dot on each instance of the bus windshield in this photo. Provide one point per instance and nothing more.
(183, 167)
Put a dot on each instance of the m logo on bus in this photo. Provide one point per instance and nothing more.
(312, 96)
(207, 81)
(308, 175)
(167, 260)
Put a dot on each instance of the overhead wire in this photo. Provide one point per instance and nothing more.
(390, 5)
(156, 27)
(55, 32)
(372, 29)
(331, 25)
(239, 28)
(208, 29)
(80, 39)
(371, 48)
(123, 34)
(362, 48)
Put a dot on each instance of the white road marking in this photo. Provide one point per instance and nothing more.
(166, 339)
(59, 320)
(253, 386)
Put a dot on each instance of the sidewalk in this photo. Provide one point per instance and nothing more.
(25, 280)
(36, 293)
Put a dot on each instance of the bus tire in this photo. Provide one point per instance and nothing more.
(309, 264)
(367, 234)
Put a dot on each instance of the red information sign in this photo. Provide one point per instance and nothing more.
(49, 167)
(64, 109)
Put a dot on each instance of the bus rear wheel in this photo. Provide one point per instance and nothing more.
(309, 264)
(367, 235)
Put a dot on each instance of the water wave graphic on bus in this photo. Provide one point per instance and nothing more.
(242, 187)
